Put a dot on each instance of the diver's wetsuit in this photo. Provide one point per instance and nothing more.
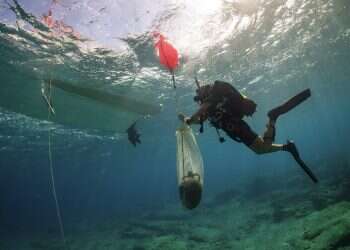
(239, 131)
(225, 108)
(226, 113)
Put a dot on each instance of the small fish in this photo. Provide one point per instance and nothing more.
(133, 135)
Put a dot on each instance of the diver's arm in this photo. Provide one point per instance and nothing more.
(200, 116)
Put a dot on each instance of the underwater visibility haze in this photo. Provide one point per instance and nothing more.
(88, 120)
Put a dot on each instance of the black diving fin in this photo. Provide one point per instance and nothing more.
(306, 169)
(291, 148)
(289, 105)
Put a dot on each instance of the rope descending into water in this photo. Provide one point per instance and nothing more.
(176, 94)
(53, 186)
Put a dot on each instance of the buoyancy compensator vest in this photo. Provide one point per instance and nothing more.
(227, 103)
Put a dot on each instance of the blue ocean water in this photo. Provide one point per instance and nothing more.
(108, 190)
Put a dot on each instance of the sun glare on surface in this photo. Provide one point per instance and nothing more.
(204, 7)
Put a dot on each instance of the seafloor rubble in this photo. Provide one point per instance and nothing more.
(264, 215)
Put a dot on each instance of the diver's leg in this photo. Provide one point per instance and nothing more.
(259, 146)
(270, 133)
(265, 144)
(262, 146)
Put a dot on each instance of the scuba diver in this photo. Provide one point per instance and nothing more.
(225, 108)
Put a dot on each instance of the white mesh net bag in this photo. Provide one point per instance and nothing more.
(189, 166)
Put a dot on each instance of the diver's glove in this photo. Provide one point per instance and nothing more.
(187, 120)
(184, 119)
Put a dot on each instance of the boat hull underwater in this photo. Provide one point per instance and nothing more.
(75, 106)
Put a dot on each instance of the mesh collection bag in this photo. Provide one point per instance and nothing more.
(190, 171)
